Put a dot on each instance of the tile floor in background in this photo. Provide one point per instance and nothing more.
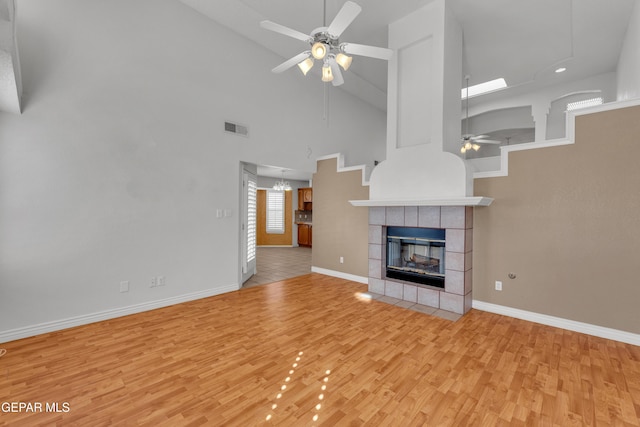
(279, 263)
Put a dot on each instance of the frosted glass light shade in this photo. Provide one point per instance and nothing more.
(327, 75)
(319, 50)
(306, 65)
(344, 61)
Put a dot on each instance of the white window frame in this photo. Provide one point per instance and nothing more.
(275, 211)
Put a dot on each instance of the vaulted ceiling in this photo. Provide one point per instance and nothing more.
(523, 41)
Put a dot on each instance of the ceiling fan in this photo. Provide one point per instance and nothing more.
(470, 141)
(326, 46)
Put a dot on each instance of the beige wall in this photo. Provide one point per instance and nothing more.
(566, 221)
(339, 229)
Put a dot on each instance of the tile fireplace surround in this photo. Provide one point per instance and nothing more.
(458, 223)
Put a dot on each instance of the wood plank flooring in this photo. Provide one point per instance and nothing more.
(312, 346)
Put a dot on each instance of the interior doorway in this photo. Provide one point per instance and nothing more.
(281, 257)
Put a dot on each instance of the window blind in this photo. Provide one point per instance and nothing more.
(252, 190)
(275, 212)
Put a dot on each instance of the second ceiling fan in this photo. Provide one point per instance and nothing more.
(326, 46)
(469, 140)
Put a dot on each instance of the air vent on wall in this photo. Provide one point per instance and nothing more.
(236, 128)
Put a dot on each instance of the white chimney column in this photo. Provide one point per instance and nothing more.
(425, 79)
(423, 111)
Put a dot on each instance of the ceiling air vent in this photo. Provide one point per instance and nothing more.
(236, 128)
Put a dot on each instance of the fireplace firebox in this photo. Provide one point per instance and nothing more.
(416, 255)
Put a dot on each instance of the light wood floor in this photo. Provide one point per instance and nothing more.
(267, 351)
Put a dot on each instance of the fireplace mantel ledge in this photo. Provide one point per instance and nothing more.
(452, 201)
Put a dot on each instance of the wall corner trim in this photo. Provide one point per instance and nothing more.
(558, 322)
(85, 319)
(340, 275)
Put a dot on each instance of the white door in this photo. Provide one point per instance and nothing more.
(250, 190)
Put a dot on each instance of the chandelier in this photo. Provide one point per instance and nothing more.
(282, 185)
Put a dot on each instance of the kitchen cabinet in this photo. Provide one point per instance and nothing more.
(304, 234)
(305, 199)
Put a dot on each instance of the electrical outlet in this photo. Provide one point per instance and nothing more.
(498, 285)
(154, 282)
(161, 281)
(341, 260)
(124, 286)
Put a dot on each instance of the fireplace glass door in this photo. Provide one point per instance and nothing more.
(416, 255)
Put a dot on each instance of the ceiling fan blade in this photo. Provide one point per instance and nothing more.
(272, 26)
(291, 62)
(337, 74)
(345, 16)
(487, 141)
(364, 50)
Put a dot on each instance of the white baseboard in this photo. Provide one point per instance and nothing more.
(340, 275)
(558, 322)
(56, 325)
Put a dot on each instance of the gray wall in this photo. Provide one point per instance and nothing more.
(118, 164)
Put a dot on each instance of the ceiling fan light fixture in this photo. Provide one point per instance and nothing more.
(344, 61)
(319, 50)
(327, 75)
(306, 65)
(325, 45)
(475, 147)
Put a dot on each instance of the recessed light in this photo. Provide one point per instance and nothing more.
(561, 70)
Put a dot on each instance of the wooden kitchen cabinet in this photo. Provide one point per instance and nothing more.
(305, 199)
(304, 234)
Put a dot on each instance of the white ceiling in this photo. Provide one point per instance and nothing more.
(523, 41)
(277, 172)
